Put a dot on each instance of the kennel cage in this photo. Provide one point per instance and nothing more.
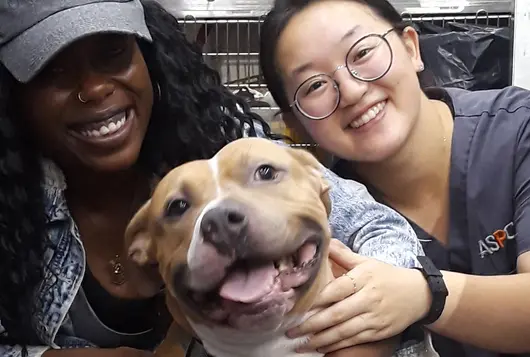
(228, 33)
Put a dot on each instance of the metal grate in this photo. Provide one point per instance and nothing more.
(231, 46)
(480, 18)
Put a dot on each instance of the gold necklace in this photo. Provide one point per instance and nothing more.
(117, 269)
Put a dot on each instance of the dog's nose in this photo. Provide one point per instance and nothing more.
(223, 226)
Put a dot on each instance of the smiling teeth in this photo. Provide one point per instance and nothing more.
(369, 115)
(105, 129)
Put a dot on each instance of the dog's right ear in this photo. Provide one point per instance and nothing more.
(138, 240)
(313, 167)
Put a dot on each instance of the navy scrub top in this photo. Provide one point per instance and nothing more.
(489, 190)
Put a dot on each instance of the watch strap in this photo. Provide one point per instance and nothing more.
(437, 287)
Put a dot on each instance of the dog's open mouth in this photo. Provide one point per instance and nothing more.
(253, 290)
(249, 283)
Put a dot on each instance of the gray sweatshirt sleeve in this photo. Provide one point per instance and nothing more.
(368, 227)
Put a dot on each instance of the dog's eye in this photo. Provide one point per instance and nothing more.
(266, 173)
(176, 208)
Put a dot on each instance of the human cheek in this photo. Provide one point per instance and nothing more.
(140, 80)
(323, 132)
(397, 86)
(405, 92)
(41, 115)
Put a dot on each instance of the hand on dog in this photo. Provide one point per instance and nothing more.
(375, 301)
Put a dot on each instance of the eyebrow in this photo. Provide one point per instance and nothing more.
(308, 65)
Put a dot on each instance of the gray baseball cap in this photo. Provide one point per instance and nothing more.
(32, 32)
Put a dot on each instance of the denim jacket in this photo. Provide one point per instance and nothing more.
(366, 226)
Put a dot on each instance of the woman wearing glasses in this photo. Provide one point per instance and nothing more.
(454, 163)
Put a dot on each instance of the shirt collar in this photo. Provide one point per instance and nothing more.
(54, 186)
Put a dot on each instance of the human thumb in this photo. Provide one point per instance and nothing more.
(343, 256)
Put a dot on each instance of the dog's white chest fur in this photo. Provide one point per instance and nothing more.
(228, 342)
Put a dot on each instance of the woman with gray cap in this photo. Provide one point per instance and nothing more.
(98, 98)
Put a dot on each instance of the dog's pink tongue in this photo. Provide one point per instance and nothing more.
(248, 285)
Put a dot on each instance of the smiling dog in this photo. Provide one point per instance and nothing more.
(241, 243)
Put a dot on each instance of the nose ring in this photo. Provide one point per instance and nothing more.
(81, 98)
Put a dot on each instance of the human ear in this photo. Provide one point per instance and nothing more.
(410, 39)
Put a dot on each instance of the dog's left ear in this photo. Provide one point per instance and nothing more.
(141, 251)
(138, 241)
(314, 170)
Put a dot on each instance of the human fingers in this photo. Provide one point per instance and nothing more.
(347, 331)
(337, 313)
(337, 270)
(351, 347)
(338, 289)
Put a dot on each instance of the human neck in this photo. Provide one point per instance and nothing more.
(104, 191)
(420, 170)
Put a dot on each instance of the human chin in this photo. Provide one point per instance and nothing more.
(378, 149)
(115, 162)
(104, 159)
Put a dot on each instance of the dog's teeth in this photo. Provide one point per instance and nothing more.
(294, 259)
(284, 264)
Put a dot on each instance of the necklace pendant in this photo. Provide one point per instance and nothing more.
(117, 273)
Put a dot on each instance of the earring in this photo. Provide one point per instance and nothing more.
(80, 98)
(421, 68)
(158, 91)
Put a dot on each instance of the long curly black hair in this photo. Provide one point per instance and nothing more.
(193, 116)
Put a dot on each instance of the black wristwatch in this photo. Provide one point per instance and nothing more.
(437, 287)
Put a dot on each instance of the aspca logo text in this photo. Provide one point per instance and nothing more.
(496, 241)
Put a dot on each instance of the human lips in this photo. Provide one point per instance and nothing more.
(368, 115)
(103, 127)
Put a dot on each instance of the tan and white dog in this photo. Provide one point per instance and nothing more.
(241, 243)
